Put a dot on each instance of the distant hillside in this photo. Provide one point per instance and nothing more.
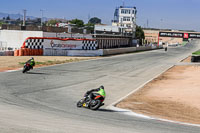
(14, 16)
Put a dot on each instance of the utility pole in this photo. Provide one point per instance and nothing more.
(147, 23)
(24, 20)
(42, 13)
(123, 2)
(88, 17)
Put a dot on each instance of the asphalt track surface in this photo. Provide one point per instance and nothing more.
(44, 100)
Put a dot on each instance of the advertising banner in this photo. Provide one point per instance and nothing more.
(171, 34)
(59, 44)
(179, 35)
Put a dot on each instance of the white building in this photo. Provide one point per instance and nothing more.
(125, 18)
(106, 28)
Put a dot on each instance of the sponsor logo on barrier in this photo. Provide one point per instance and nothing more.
(62, 45)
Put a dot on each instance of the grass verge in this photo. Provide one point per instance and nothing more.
(50, 62)
(196, 53)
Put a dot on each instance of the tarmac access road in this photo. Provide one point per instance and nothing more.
(44, 100)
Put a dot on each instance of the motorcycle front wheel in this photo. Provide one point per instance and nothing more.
(95, 104)
(24, 70)
(79, 103)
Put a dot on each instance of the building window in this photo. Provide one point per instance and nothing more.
(125, 11)
(126, 19)
(122, 11)
(128, 25)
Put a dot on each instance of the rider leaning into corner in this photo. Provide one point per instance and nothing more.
(92, 93)
(31, 62)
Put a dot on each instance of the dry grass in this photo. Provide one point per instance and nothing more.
(15, 62)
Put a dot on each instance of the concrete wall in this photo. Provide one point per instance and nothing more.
(127, 50)
(61, 52)
(85, 52)
(99, 52)
(143, 48)
(151, 36)
(118, 51)
(54, 52)
(14, 38)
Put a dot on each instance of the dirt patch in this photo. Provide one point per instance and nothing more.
(175, 95)
(188, 59)
(16, 62)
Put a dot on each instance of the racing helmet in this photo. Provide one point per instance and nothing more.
(101, 87)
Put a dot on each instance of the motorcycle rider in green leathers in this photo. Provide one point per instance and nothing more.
(91, 93)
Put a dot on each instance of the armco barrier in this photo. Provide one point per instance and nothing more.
(7, 53)
(2, 53)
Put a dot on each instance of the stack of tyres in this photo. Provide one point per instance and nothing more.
(195, 58)
(27, 51)
(16, 53)
(21, 52)
(30, 52)
(40, 52)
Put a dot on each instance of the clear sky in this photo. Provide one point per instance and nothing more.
(175, 14)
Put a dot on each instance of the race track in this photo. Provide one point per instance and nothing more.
(44, 100)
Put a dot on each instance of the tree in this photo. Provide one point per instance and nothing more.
(95, 20)
(52, 22)
(89, 26)
(8, 18)
(139, 34)
(77, 22)
(18, 19)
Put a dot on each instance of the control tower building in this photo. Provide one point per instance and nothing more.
(125, 18)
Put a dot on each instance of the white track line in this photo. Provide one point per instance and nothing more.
(13, 70)
(131, 113)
